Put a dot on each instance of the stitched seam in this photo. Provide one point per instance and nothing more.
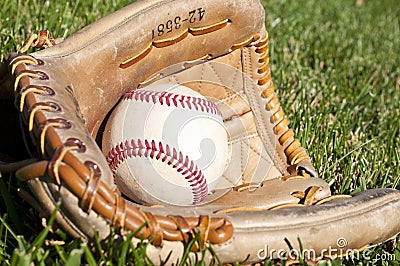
(236, 73)
(157, 151)
(270, 144)
(216, 74)
(242, 163)
(256, 152)
(247, 137)
(171, 99)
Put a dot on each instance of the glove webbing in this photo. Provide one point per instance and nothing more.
(84, 178)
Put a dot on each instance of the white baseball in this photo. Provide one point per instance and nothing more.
(166, 144)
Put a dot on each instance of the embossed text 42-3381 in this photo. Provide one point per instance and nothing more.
(176, 22)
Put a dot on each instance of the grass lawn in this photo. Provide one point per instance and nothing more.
(336, 67)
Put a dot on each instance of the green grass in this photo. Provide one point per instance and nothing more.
(336, 67)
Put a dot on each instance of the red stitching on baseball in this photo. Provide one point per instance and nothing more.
(169, 98)
(150, 149)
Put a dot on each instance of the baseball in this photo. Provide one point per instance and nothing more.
(166, 144)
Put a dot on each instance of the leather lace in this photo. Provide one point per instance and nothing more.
(84, 178)
(42, 39)
(292, 148)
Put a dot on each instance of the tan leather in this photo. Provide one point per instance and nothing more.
(366, 219)
(65, 92)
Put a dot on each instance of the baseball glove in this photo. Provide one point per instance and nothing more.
(64, 94)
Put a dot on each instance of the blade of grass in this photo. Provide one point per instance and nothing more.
(124, 250)
(38, 242)
(20, 240)
(89, 256)
(10, 206)
(75, 257)
(348, 154)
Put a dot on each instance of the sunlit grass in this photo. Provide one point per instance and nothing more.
(336, 68)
